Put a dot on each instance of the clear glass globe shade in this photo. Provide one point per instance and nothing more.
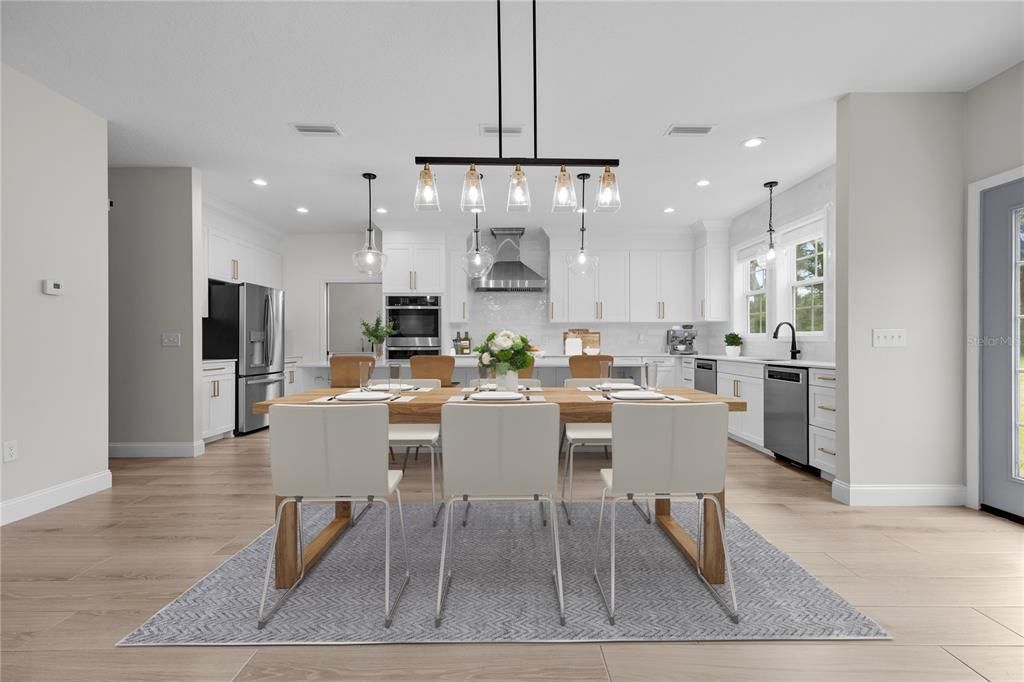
(369, 261)
(770, 256)
(582, 264)
(477, 263)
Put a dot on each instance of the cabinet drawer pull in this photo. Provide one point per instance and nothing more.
(410, 280)
(826, 408)
(291, 376)
(826, 378)
(827, 452)
(415, 280)
(601, 307)
(702, 309)
(463, 310)
(735, 388)
(212, 369)
(234, 268)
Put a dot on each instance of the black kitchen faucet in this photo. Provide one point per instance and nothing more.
(793, 351)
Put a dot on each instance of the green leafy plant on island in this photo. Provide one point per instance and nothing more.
(505, 350)
(733, 339)
(378, 331)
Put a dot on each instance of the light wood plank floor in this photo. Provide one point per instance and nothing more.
(947, 582)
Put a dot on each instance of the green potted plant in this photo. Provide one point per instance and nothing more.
(733, 344)
(377, 332)
(505, 353)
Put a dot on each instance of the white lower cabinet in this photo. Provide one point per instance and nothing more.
(292, 383)
(748, 425)
(664, 371)
(821, 430)
(821, 404)
(217, 412)
(823, 449)
(686, 375)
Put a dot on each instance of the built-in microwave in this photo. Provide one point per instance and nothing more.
(417, 324)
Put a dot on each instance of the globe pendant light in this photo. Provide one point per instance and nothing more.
(369, 260)
(473, 191)
(770, 186)
(582, 263)
(564, 199)
(608, 200)
(478, 260)
(518, 191)
(426, 191)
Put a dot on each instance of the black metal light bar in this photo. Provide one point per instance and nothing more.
(513, 160)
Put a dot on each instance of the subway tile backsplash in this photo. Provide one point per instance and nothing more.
(527, 313)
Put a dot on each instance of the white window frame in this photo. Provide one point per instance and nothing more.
(781, 275)
(794, 283)
(748, 292)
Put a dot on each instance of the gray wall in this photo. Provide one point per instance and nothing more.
(54, 347)
(994, 139)
(155, 252)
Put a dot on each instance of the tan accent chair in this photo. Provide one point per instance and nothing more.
(438, 367)
(582, 366)
(345, 369)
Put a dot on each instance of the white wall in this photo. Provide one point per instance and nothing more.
(791, 204)
(308, 261)
(900, 221)
(54, 190)
(994, 138)
(155, 251)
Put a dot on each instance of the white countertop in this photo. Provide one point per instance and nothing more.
(546, 360)
(771, 361)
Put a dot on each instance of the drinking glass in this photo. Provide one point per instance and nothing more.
(606, 367)
(394, 375)
(364, 374)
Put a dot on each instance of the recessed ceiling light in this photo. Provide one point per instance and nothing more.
(703, 183)
(382, 210)
(754, 142)
(669, 210)
(302, 209)
(259, 182)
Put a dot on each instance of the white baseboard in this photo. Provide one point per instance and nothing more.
(54, 496)
(157, 449)
(899, 495)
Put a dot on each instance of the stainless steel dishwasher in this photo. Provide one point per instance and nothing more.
(785, 412)
(705, 375)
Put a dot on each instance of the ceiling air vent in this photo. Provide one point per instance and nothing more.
(683, 130)
(317, 130)
(507, 130)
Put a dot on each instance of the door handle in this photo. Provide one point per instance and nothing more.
(735, 388)
(234, 268)
(216, 388)
(597, 314)
(264, 381)
(410, 281)
(601, 308)
(415, 280)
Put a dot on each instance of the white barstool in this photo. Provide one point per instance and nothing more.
(666, 452)
(578, 434)
(498, 453)
(332, 453)
(416, 436)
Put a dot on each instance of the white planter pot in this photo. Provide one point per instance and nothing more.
(733, 351)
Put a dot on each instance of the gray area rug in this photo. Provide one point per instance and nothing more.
(502, 589)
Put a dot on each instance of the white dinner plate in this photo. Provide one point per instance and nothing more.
(492, 387)
(392, 387)
(496, 395)
(617, 387)
(364, 396)
(637, 395)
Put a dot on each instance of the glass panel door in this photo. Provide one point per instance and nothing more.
(1017, 466)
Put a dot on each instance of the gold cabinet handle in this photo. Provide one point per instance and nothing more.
(824, 377)
(410, 280)
(291, 376)
(596, 313)
(234, 268)
(702, 308)
(826, 408)
(601, 308)
(552, 305)
(827, 452)
(414, 279)
(735, 388)
(216, 388)
(212, 369)
(463, 310)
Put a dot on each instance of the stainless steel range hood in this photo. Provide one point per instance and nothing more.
(509, 272)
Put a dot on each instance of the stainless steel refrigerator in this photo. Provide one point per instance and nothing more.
(246, 322)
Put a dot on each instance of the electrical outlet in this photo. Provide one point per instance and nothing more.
(10, 450)
(888, 338)
(170, 339)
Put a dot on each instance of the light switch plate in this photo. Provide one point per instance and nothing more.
(888, 338)
(170, 339)
(53, 287)
(10, 450)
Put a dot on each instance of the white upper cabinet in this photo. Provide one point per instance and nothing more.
(232, 259)
(558, 287)
(413, 267)
(660, 286)
(711, 277)
(221, 261)
(582, 297)
(459, 290)
(613, 287)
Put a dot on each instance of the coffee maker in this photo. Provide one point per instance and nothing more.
(680, 340)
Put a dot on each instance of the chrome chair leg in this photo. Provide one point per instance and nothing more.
(568, 477)
(433, 485)
(645, 515)
(609, 603)
(734, 613)
(261, 619)
(543, 516)
(358, 517)
(558, 561)
(389, 606)
(443, 579)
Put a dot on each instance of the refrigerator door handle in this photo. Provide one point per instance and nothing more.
(272, 379)
(271, 324)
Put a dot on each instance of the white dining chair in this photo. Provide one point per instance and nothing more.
(667, 452)
(332, 453)
(415, 436)
(498, 453)
(524, 382)
(575, 435)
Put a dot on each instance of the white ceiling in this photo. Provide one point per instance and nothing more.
(215, 86)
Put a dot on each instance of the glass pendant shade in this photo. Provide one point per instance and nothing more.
(369, 260)
(582, 263)
(477, 263)
(770, 256)
(518, 191)
(473, 192)
(564, 198)
(608, 200)
(426, 198)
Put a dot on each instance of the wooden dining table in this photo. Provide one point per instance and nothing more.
(574, 405)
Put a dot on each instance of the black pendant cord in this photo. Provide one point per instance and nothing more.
(500, 129)
(370, 177)
(583, 208)
(534, 7)
(476, 233)
(771, 185)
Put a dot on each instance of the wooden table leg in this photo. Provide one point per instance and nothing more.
(712, 562)
(286, 560)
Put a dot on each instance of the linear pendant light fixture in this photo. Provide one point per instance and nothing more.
(770, 186)
(369, 260)
(426, 198)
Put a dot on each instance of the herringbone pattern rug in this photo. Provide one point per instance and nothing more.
(502, 589)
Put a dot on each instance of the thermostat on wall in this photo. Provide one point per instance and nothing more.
(53, 287)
